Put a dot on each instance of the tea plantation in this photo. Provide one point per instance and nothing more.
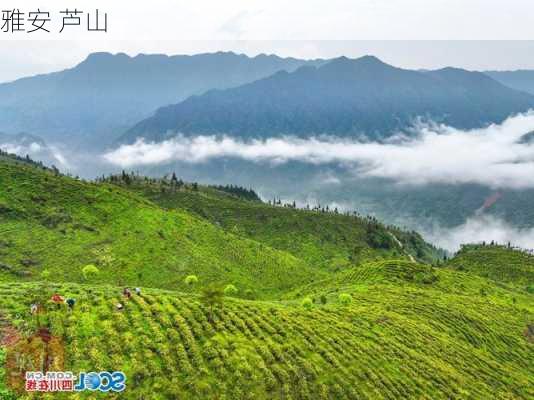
(317, 305)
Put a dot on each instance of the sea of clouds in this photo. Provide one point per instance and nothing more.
(494, 156)
(478, 229)
(50, 155)
(499, 156)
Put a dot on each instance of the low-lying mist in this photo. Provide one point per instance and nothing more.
(479, 229)
(499, 156)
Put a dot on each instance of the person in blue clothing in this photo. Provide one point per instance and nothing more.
(70, 303)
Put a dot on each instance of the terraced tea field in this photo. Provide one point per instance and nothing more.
(498, 263)
(396, 339)
(320, 305)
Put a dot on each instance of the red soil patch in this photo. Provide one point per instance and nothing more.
(9, 336)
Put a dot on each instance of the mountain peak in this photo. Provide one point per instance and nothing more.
(365, 60)
(365, 64)
(369, 59)
(98, 58)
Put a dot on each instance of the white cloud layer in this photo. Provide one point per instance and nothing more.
(494, 156)
(479, 229)
(47, 154)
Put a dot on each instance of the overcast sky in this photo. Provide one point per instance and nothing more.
(346, 27)
(23, 58)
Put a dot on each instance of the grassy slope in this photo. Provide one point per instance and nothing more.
(498, 263)
(329, 240)
(61, 224)
(397, 339)
(411, 331)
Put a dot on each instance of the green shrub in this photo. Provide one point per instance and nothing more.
(191, 280)
(5, 394)
(90, 272)
(426, 277)
(307, 303)
(345, 298)
(211, 297)
(230, 290)
(45, 275)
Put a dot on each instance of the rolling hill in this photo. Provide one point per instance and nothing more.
(319, 325)
(98, 99)
(344, 97)
(396, 338)
(320, 236)
(132, 240)
(138, 237)
(496, 262)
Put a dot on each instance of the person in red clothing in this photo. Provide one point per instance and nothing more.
(57, 299)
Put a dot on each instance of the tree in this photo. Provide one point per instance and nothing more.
(174, 182)
(230, 290)
(90, 272)
(211, 297)
(345, 298)
(45, 275)
(125, 177)
(323, 299)
(307, 303)
(191, 280)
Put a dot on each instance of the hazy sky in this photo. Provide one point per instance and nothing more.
(254, 26)
(23, 58)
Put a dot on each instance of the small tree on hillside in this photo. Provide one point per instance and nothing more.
(191, 280)
(211, 297)
(230, 290)
(45, 277)
(307, 303)
(345, 298)
(90, 272)
(174, 182)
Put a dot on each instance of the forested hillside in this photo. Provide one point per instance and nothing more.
(343, 98)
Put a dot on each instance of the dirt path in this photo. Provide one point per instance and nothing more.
(402, 247)
(8, 334)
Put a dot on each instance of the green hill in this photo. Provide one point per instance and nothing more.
(499, 263)
(336, 307)
(327, 239)
(395, 340)
(55, 223)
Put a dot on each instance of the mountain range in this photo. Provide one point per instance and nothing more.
(344, 97)
(106, 94)
(520, 80)
(97, 101)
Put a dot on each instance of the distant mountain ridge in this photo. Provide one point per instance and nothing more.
(344, 97)
(105, 94)
(520, 80)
